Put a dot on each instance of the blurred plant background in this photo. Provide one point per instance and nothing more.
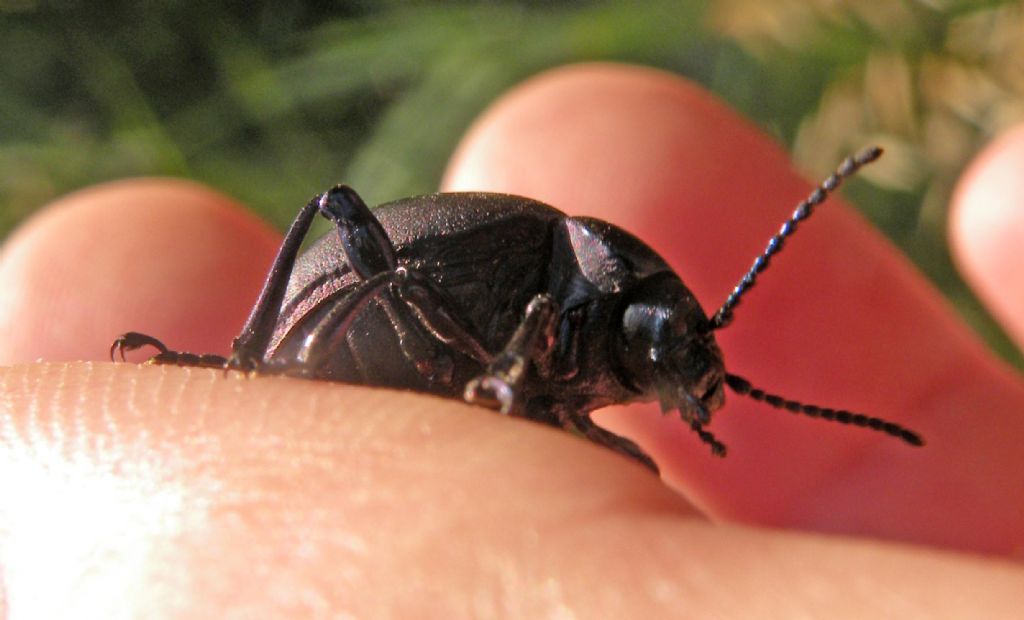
(270, 102)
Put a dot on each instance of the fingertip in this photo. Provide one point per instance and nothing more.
(165, 256)
(843, 320)
(986, 229)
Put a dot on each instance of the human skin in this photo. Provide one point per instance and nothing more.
(166, 492)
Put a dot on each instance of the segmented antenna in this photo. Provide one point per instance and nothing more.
(803, 211)
(742, 386)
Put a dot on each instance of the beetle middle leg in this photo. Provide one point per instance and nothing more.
(532, 342)
(411, 301)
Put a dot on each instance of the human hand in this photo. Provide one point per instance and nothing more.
(166, 491)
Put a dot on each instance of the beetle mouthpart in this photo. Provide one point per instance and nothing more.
(703, 416)
(693, 412)
(717, 447)
(743, 387)
(690, 408)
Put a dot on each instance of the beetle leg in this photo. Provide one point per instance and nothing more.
(408, 298)
(418, 300)
(418, 347)
(531, 342)
(363, 241)
(331, 330)
(366, 247)
(134, 340)
(250, 347)
(433, 311)
(565, 359)
(582, 424)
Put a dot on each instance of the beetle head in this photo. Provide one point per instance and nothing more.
(666, 349)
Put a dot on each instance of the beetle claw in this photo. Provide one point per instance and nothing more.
(131, 341)
(490, 391)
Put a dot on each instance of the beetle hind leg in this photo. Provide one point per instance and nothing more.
(131, 341)
(367, 249)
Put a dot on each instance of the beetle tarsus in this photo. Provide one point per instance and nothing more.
(130, 341)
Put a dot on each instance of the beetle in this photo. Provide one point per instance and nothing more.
(502, 301)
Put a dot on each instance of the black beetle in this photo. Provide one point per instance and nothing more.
(503, 301)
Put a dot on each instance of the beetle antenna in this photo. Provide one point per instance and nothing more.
(742, 386)
(848, 168)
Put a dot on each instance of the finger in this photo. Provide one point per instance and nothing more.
(165, 257)
(841, 319)
(188, 493)
(987, 229)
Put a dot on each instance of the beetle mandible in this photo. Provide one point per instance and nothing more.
(503, 301)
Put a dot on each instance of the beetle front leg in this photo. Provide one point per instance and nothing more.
(582, 424)
(531, 342)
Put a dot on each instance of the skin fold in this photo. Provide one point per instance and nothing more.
(168, 492)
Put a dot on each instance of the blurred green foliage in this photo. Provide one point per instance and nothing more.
(270, 102)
